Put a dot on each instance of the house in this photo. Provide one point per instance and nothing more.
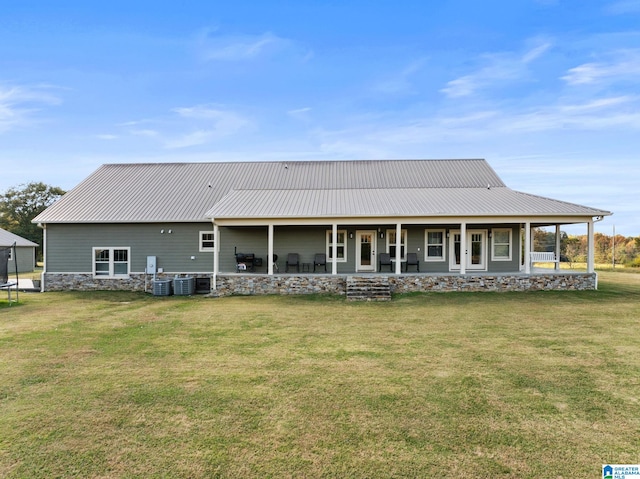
(25, 252)
(233, 226)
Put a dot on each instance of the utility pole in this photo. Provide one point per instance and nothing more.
(613, 248)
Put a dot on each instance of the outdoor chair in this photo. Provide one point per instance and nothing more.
(412, 260)
(320, 260)
(293, 259)
(275, 262)
(384, 260)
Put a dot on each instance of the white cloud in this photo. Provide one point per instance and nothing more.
(498, 68)
(622, 66)
(400, 81)
(107, 136)
(215, 47)
(300, 113)
(145, 132)
(194, 138)
(208, 123)
(19, 105)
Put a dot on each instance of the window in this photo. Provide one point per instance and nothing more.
(501, 244)
(111, 262)
(341, 244)
(434, 247)
(206, 241)
(391, 244)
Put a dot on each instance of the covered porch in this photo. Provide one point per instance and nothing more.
(461, 254)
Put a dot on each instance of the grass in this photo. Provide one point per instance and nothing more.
(517, 385)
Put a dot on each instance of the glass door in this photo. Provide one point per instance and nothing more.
(365, 251)
(476, 248)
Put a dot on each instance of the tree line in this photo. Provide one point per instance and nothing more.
(19, 205)
(618, 249)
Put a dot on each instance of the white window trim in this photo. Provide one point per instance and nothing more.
(206, 249)
(495, 257)
(403, 242)
(111, 274)
(330, 245)
(435, 259)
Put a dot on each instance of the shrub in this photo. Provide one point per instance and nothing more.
(635, 263)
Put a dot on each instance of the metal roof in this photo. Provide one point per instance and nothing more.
(7, 239)
(393, 202)
(163, 192)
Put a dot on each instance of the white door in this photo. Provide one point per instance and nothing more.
(365, 250)
(476, 248)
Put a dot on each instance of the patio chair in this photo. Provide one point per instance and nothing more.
(384, 260)
(320, 260)
(275, 262)
(293, 259)
(412, 260)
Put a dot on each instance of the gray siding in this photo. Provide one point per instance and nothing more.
(69, 247)
(26, 257)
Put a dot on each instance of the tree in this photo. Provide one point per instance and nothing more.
(574, 248)
(19, 205)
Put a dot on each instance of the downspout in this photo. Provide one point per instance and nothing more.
(216, 255)
(44, 254)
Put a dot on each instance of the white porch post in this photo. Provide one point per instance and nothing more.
(527, 248)
(334, 248)
(270, 251)
(216, 255)
(557, 265)
(463, 248)
(590, 248)
(398, 248)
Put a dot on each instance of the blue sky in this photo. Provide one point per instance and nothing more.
(547, 91)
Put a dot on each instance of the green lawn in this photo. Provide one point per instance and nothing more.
(458, 385)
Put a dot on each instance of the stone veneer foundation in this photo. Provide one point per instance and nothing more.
(285, 284)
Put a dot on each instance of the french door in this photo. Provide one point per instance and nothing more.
(366, 250)
(476, 249)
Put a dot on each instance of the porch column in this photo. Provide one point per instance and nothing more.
(334, 248)
(463, 248)
(270, 251)
(216, 255)
(590, 248)
(527, 248)
(557, 265)
(398, 248)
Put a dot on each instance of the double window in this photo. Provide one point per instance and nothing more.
(341, 246)
(434, 245)
(111, 262)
